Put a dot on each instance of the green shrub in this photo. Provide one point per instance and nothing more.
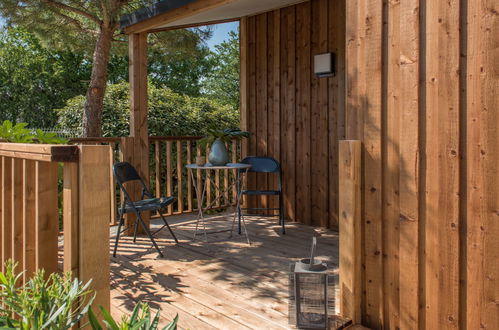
(170, 114)
(18, 133)
(140, 319)
(56, 303)
(61, 302)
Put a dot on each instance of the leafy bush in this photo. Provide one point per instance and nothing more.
(35, 79)
(140, 319)
(18, 133)
(61, 302)
(55, 303)
(169, 113)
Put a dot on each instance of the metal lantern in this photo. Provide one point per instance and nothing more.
(308, 292)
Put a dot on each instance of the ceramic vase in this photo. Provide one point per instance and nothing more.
(219, 156)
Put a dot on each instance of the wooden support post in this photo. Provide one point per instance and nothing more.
(94, 208)
(29, 219)
(138, 108)
(350, 226)
(17, 212)
(71, 218)
(47, 215)
(6, 206)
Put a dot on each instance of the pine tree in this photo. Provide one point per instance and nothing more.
(92, 26)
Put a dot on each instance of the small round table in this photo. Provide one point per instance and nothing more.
(237, 183)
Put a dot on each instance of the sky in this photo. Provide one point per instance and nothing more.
(221, 33)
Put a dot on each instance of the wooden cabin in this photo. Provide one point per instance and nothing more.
(397, 148)
(416, 82)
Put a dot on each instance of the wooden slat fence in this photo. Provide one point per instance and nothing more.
(29, 211)
(168, 175)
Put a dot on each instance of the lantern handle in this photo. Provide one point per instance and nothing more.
(312, 250)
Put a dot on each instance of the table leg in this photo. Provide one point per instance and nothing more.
(240, 185)
(200, 206)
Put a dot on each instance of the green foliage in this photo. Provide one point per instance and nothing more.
(18, 133)
(15, 133)
(35, 80)
(169, 113)
(141, 319)
(225, 135)
(60, 302)
(48, 138)
(222, 81)
(56, 303)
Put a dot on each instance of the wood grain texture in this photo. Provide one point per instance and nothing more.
(336, 104)
(480, 285)
(71, 218)
(93, 209)
(6, 209)
(29, 219)
(350, 229)
(390, 162)
(303, 113)
(289, 111)
(138, 111)
(409, 161)
(319, 120)
(442, 176)
(47, 216)
(261, 102)
(17, 211)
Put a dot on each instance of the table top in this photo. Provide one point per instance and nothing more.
(208, 166)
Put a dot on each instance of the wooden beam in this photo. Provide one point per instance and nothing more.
(350, 226)
(187, 10)
(94, 208)
(40, 152)
(71, 219)
(47, 215)
(138, 151)
(244, 83)
(188, 26)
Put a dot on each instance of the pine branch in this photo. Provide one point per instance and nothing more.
(77, 24)
(80, 12)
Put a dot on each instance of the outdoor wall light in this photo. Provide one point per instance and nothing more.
(324, 65)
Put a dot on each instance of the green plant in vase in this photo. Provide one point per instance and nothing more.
(217, 138)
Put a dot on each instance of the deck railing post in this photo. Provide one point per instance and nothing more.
(350, 228)
(94, 207)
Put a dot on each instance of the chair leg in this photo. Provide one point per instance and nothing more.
(135, 230)
(139, 218)
(168, 226)
(239, 220)
(281, 214)
(120, 223)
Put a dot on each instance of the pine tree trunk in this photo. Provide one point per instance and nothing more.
(92, 114)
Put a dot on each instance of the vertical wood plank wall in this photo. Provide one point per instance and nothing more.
(421, 94)
(292, 115)
(422, 82)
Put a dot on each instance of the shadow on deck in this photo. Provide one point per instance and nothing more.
(220, 284)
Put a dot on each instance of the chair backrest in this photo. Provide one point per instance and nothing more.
(262, 164)
(124, 172)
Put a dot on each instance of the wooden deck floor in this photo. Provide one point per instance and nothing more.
(220, 284)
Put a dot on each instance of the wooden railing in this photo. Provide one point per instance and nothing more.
(168, 175)
(350, 228)
(29, 211)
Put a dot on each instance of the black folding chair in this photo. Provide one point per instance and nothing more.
(264, 165)
(125, 172)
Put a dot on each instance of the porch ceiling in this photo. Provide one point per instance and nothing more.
(183, 13)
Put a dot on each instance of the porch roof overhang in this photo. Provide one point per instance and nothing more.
(170, 14)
